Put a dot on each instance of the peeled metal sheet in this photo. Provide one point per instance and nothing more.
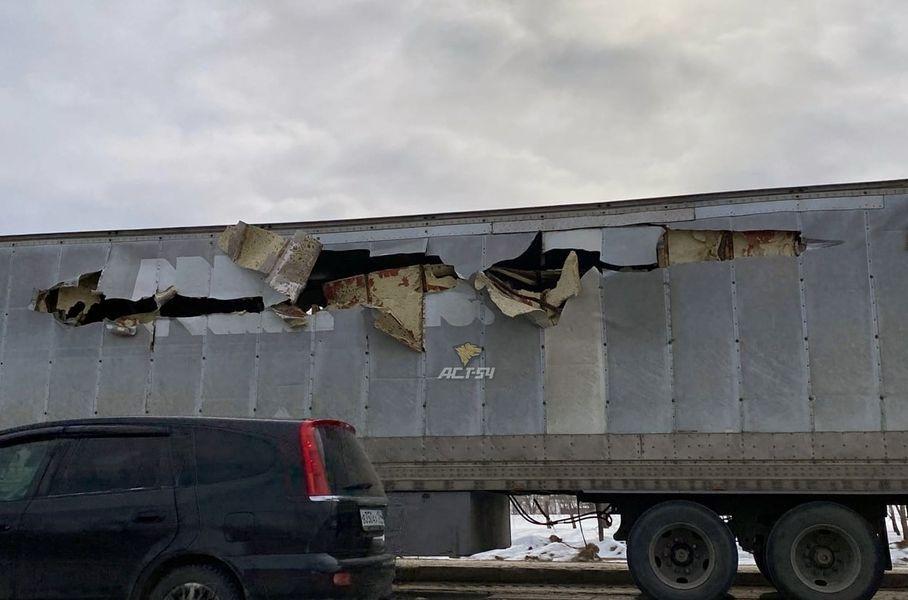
(286, 263)
(398, 296)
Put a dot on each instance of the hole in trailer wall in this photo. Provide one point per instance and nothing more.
(535, 285)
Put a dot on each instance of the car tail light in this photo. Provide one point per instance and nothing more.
(311, 454)
(343, 579)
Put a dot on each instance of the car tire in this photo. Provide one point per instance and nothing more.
(205, 581)
(824, 551)
(681, 550)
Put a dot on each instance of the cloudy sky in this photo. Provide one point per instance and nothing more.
(159, 113)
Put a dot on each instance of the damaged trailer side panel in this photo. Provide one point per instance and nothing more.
(546, 349)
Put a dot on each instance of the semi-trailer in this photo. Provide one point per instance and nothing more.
(712, 367)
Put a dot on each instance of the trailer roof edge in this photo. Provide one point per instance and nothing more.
(805, 193)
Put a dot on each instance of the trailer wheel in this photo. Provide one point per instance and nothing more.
(759, 553)
(681, 550)
(824, 551)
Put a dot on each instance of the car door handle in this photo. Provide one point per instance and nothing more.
(4, 527)
(148, 516)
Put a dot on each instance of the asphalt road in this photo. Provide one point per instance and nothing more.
(445, 591)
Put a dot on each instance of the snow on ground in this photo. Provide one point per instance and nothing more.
(898, 547)
(563, 543)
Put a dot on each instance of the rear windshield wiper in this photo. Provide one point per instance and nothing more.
(357, 486)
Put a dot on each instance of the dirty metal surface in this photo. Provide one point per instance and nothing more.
(747, 360)
(843, 462)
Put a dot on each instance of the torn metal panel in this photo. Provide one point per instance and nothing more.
(292, 315)
(251, 247)
(542, 308)
(681, 246)
(79, 303)
(287, 264)
(70, 301)
(499, 247)
(294, 265)
(464, 253)
(346, 293)
(398, 296)
(439, 278)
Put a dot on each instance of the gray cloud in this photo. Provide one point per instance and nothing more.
(134, 114)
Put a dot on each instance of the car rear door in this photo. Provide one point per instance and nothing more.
(106, 511)
(21, 466)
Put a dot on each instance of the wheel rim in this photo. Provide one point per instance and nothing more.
(826, 558)
(682, 556)
(192, 591)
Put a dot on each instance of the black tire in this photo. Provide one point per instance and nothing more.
(759, 554)
(218, 584)
(824, 551)
(681, 550)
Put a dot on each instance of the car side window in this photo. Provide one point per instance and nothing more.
(228, 456)
(19, 466)
(107, 464)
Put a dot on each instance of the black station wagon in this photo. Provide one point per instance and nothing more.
(190, 508)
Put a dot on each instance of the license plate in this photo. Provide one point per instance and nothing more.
(372, 519)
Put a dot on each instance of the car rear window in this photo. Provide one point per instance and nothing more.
(19, 467)
(347, 467)
(228, 456)
(108, 464)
